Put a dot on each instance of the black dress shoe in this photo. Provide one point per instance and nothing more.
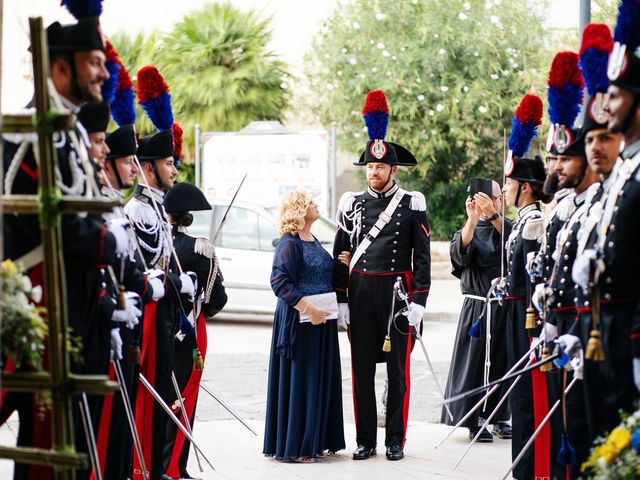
(363, 452)
(485, 436)
(394, 452)
(502, 430)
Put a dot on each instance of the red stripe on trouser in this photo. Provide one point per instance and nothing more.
(542, 443)
(353, 382)
(104, 427)
(144, 400)
(190, 395)
(407, 382)
(408, 276)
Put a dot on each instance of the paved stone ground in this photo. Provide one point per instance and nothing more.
(236, 368)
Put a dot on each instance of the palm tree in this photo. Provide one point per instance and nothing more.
(220, 71)
(218, 67)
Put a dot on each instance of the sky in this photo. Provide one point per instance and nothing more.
(294, 25)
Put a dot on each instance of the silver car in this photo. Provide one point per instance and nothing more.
(245, 247)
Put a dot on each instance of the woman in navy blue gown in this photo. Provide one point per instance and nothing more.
(304, 397)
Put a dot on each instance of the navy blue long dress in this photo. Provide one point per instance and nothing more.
(304, 395)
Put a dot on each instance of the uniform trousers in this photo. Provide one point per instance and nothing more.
(370, 299)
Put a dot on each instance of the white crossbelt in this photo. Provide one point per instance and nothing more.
(383, 219)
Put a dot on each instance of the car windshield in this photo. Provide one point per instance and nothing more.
(247, 229)
(201, 225)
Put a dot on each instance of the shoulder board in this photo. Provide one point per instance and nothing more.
(418, 202)
(346, 201)
(534, 227)
(566, 207)
(204, 247)
(141, 212)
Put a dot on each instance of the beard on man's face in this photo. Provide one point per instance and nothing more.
(550, 186)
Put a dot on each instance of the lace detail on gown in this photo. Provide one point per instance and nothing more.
(317, 271)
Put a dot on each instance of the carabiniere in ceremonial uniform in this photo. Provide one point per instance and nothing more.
(387, 232)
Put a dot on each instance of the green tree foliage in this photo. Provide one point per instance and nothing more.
(453, 72)
(218, 66)
(605, 11)
(136, 52)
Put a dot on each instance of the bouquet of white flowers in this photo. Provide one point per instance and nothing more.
(23, 326)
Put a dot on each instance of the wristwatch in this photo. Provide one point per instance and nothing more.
(493, 217)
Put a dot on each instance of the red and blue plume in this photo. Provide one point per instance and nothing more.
(627, 31)
(154, 97)
(177, 143)
(525, 123)
(83, 8)
(565, 89)
(376, 114)
(113, 64)
(594, 56)
(123, 105)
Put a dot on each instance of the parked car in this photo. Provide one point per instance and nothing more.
(245, 247)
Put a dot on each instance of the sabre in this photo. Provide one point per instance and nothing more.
(224, 217)
(488, 394)
(173, 418)
(544, 421)
(502, 206)
(399, 288)
(130, 417)
(475, 391)
(217, 398)
(486, 422)
(85, 415)
(184, 414)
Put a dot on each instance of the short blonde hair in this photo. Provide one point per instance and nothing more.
(293, 209)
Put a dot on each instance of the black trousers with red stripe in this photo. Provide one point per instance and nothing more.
(370, 303)
(528, 400)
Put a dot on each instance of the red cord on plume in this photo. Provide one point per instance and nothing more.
(150, 84)
(375, 102)
(177, 140)
(530, 109)
(598, 36)
(564, 70)
(124, 80)
(111, 54)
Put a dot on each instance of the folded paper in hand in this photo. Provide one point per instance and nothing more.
(324, 301)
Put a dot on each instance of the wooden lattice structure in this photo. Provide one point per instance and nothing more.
(58, 380)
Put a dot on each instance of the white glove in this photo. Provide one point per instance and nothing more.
(130, 314)
(636, 372)
(158, 288)
(120, 227)
(533, 356)
(549, 332)
(343, 315)
(572, 357)
(188, 285)
(116, 344)
(534, 264)
(415, 314)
